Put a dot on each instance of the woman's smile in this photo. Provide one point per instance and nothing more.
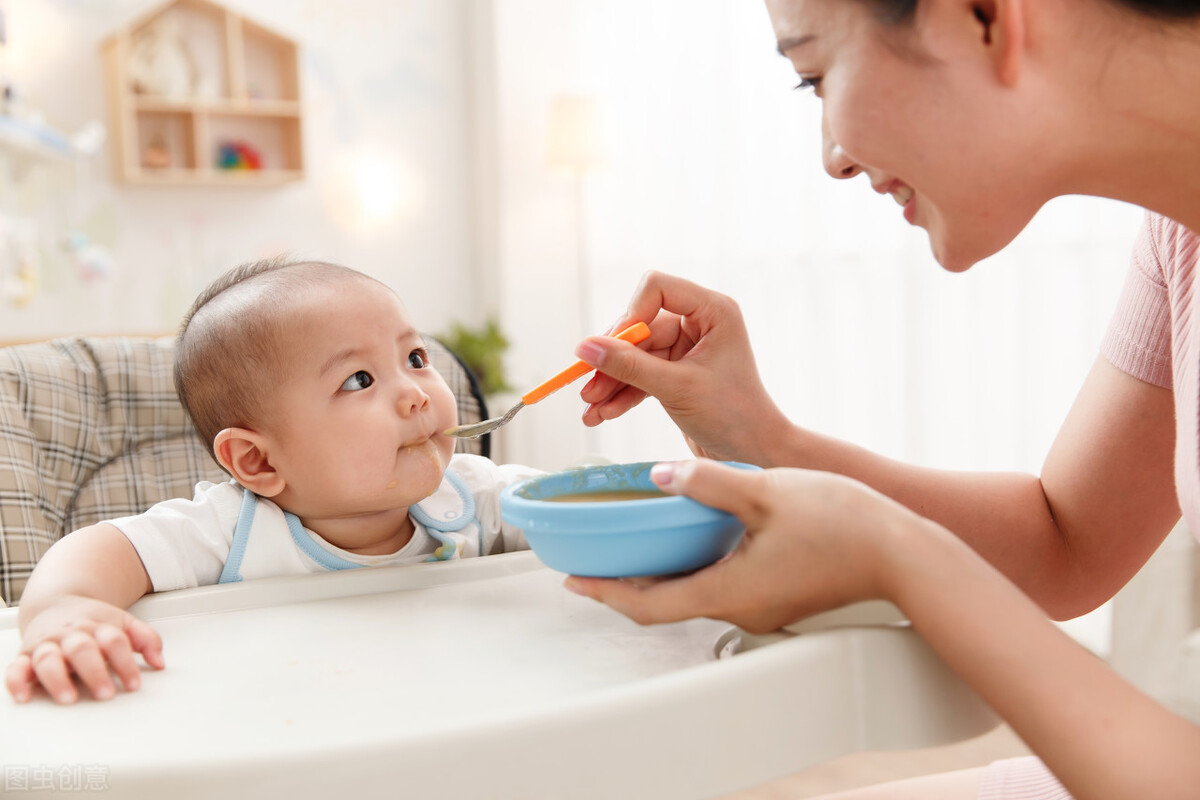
(903, 194)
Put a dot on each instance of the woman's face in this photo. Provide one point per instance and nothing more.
(920, 107)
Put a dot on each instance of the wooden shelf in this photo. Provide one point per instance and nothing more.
(212, 176)
(231, 97)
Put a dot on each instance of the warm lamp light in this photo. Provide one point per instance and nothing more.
(371, 191)
(574, 139)
(573, 146)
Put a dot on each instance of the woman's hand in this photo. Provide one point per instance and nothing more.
(83, 637)
(814, 541)
(697, 363)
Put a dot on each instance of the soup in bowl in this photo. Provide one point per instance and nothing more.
(611, 521)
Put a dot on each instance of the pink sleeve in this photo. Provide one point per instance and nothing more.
(1024, 778)
(1139, 336)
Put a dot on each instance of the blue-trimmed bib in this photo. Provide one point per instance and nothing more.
(446, 515)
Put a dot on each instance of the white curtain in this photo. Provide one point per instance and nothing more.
(714, 173)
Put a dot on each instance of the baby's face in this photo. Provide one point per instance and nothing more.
(358, 424)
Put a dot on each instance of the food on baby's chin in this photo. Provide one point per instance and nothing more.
(607, 497)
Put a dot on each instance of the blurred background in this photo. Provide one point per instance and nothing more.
(522, 163)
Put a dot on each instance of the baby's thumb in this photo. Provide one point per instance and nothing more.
(145, 640)
(737, 490)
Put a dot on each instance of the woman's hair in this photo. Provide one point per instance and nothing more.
(1163, 9)
(901, 11)
(230, 349)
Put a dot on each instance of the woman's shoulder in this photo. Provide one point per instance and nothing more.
(1165, 253)
(1175, 245)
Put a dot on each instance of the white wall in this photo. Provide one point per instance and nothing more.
(713, 172)
(384, 84)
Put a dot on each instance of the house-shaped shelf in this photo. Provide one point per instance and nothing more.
(202, 96)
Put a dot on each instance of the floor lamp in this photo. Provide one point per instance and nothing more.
(573, 148)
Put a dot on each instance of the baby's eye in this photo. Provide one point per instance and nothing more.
(357, 381)
(419, 358)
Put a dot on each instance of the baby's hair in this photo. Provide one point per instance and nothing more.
(229, 352)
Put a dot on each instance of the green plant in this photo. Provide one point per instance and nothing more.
(482, 349)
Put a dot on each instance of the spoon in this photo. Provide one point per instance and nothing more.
(635, 333)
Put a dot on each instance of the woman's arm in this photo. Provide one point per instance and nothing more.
(816, 540)
(73, 619)
(1070, 538)
(1100, 736)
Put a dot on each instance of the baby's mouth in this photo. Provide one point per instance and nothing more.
(414, 444)
(424, 438)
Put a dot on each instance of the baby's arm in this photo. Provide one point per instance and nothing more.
(73, 619)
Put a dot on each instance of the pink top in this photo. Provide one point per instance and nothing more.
(1155, 336)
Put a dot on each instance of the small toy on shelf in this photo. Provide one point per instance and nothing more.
(160, 62)
(156, 155)
(238, 155)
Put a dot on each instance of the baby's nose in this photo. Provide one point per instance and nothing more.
(411, 398)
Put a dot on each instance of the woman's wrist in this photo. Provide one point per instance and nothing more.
(911, 551)
(778, 442)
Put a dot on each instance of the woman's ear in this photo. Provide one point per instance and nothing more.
(244, 455)
(1002, 29)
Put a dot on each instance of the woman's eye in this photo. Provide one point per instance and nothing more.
(359, 380)
(807, 84)
(418, 359)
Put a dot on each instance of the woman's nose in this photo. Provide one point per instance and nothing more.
(837, 163)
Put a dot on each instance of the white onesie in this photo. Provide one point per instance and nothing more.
(225, 533)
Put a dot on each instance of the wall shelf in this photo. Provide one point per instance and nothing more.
(202, 96)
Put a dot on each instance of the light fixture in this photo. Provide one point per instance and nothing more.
(574, 146)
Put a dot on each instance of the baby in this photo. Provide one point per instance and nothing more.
(314, 391)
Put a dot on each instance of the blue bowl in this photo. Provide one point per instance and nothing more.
(617, 538)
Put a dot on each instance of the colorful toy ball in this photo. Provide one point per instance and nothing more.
(238, 155)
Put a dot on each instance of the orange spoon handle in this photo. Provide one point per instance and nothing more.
(637, 332)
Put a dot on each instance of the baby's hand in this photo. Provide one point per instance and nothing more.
(84, 637)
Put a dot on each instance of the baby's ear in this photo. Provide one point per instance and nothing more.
(243, 454)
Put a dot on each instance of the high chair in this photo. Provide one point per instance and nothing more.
(479, 678)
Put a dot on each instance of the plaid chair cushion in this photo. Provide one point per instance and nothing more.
(91, 429)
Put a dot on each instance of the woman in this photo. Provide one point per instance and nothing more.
(971, 114)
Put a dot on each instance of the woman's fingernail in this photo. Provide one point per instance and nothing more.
(572, 585)
(590, 352)
(672, 475)
(663, 474)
